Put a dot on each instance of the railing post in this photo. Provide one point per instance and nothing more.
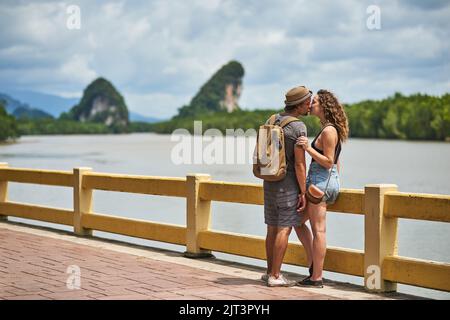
(380, 238)
(198, 216)
(82, 201)
(3, 191)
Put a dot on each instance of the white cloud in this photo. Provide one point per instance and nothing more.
(159, 53)
(78, 69)
(112, 10)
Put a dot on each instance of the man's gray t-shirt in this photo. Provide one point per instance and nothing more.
(281, 197)
(292, 131)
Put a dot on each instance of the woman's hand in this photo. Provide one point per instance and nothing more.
(302, 142)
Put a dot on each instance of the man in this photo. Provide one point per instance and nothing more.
(283, 198)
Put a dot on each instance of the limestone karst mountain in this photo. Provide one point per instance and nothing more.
(221, 92)
(101, 103)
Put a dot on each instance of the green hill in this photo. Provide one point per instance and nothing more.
(220, 93)
(101, 103)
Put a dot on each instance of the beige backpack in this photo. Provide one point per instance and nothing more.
(269, 158)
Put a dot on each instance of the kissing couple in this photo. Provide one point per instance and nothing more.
(293, 200)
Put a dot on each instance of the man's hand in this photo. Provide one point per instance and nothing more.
(301, 204)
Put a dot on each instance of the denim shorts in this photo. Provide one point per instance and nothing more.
(318, 176)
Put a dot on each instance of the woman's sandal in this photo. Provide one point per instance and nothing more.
(311, 270)
(307, 282)
(310, 283)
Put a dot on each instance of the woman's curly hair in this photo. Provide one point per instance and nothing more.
(334, 113)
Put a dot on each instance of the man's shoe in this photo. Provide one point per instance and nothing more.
(307, 282)
(265, 277)
(281, 281)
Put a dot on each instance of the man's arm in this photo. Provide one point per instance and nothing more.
(300, 172)
(300, 168)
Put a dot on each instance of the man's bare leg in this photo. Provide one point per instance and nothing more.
(270, 243)
(281, 243)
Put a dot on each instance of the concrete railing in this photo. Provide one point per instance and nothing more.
(381, 206)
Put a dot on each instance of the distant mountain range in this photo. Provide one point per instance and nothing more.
(45, 105)
(22, 110)
(137, 117)
(52, 104)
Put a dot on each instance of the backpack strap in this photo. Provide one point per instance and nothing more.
(288, 120)
(271, 120)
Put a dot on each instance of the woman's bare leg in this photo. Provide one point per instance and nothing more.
(318, 225)
(305, 236)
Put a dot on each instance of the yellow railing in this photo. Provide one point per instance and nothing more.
(381, 206)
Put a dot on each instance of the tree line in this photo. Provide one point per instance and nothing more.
(414, 117)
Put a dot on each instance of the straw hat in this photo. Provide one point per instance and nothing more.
(297, 95)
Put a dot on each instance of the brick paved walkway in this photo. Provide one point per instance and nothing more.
(34, 267)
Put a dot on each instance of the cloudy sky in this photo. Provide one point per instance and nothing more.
(158, 53)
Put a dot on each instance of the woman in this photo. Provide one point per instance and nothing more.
(324, 151)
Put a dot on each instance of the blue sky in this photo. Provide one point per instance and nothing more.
(158, 53)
